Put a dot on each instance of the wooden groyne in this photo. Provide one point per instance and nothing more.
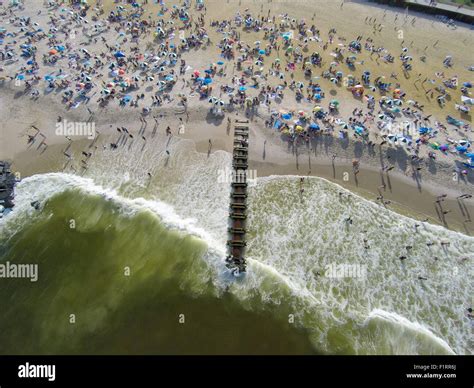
(7, 186)
(238, 199)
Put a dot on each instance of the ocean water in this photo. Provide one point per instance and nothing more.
(169, 232)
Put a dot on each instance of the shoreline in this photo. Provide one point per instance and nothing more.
(402, 192)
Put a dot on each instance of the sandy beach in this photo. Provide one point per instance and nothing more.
(271, 151)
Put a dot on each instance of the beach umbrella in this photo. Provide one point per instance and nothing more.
(60, 48)
(444, 147)
(20, 77)
(49, 78)
(261, 52)
(359, 130)
(119, 54)
(314, 126)
(220, 63)
(467, 84)
(317, 108)
(127, 98)
(461, 149)
(208, 81)
(286, 116)
(53, 52)
(242, 88)
(335, 102)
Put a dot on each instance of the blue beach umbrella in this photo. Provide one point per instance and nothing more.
(119, 54)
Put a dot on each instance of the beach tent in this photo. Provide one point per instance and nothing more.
(467, 100)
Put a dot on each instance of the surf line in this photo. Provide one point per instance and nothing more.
(238, 200)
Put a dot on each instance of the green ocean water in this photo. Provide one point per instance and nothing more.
(82, 272)
(179, 298)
